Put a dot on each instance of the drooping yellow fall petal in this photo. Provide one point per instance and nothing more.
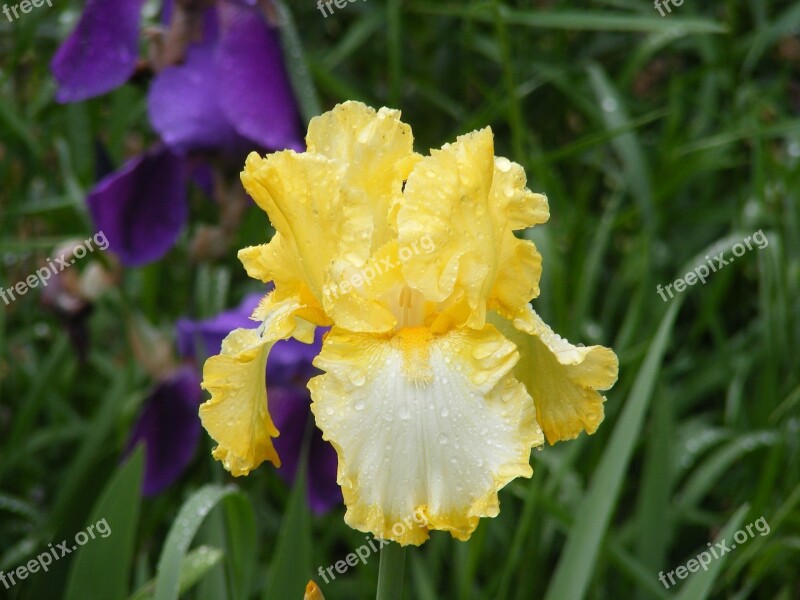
(423, 424)
(562, 379)
(236, 416)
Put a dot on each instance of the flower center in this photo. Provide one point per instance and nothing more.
(408, 306)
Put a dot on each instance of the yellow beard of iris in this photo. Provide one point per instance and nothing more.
(439, 378)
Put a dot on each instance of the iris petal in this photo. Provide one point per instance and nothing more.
(142, 207)
(237, 415)
(377, 149)
(184, 108)
(101, 53)
(253, 86)
(562, 379)
(423, 424)
(169, 428)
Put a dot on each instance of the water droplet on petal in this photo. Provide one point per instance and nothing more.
(503, 164)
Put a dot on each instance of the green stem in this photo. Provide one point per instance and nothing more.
(390, 573)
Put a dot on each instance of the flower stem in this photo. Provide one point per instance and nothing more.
(390, 573)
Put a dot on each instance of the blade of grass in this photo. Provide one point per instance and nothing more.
(198, 562)
(699, 586)
(173, 556)
(105, 563)
(575, 568)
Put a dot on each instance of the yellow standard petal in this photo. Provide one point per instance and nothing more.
(236, 416)
(447, 199)
(515, 207)
(469, 204)
(377, 149)
(427, 428)
(319, 222)
(562, 379)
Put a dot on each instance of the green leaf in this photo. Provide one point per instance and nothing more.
(574, 570)
(296, 65)
(574, 20)
(699, 586)
(191, 516)
(290, 569)
(104, 562)
(198, 562)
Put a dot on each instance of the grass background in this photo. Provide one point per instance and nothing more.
(658, 140)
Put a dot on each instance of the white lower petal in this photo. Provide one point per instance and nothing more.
(425, 427)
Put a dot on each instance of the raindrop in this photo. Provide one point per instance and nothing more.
(442, 438)
(444, 412)
(503, 164)
(359, 405)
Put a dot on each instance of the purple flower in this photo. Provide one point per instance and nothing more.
(101, 53)
(288, 370)
(169, 428)
(228, 94)
(142, 207)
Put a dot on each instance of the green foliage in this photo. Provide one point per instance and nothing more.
(658, 141)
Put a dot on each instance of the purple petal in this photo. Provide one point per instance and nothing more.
(289, 361)
(289, 408)
(101, 53)
(142, 207)
(169, 428)
(323, 491)
(184, 108)
(253, 86)
(199, 339)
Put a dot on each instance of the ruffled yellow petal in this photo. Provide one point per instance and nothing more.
(319, 221)
(562, 379)
(469, 203)
(356, 297)
(447, 199)
(515, 207)
(377, 149)
(236, 416)
(428, 428)
(277, 262)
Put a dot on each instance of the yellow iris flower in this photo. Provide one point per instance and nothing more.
(439, 378)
